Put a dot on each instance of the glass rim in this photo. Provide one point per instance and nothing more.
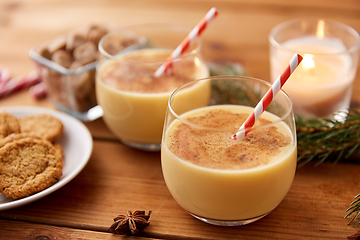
(211, 78)
(57, 67)
(143, 41)
(338, 24)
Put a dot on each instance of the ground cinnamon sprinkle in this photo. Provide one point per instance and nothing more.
(135, 73)
(215, 149)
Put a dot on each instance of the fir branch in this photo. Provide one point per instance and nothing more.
(225, 68)
(325, 139)
(354, 210)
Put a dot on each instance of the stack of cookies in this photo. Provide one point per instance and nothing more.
(30, 158)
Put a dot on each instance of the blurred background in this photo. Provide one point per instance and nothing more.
(240, 33)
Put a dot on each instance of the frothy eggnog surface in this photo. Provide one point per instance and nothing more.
(215, 177)
(214, 149)
(134, 100)
(134, 72)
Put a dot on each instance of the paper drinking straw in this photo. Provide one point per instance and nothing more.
(184, 45)
(268, 97)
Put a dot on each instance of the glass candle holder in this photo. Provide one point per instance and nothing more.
(322, 84)
(214, 178)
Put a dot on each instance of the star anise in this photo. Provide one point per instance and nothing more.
(131, 223)
(356, 236)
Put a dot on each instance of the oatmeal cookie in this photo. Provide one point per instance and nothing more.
(59, 150)
(8, 124)
(41, 125)
(28, 166)
(15, 136)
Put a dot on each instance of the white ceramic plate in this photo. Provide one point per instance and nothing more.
(76, 142)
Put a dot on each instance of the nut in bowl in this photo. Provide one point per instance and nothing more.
(67, 65)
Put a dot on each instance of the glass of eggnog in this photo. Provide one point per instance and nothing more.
(217, 179)
(132, 97)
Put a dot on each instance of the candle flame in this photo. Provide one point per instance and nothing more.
(320, 30)
(308, 62)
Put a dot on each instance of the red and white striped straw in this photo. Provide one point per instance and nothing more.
(268, 97)
(19, 83)
(184, 45)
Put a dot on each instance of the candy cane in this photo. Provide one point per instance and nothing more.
(19, 83)
(38, 91)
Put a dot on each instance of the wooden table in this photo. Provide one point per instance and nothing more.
(118, 178)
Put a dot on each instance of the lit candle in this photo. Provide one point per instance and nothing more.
(322, 84)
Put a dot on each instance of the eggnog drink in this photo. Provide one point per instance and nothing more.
(214, 177)
(134, 100)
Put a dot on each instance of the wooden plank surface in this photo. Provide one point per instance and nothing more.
(118, 178)
(33, 231)
(125, 179)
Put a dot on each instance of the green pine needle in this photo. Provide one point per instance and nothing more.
(323, 140)
(354, 210)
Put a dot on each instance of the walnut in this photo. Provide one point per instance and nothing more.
(62, 58)
(85, 53)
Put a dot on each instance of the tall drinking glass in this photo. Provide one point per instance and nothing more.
(214, 178)
(132, 97)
